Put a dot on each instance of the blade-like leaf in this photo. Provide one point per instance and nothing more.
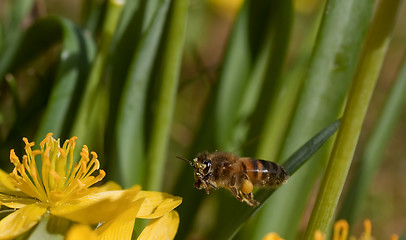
(130, 123)
(165, 105)
(77, 52)
(90, 120)
(11, 31)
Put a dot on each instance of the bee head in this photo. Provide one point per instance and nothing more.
(202, 167)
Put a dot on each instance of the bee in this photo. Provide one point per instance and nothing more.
(238, 175)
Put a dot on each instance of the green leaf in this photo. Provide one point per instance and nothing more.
(11, 31)
(126, 55)
(75, 57)
(15, 13)
(292, 164)
(165, 105)
(277, 119)
(277, 39)
(76, 53)
(91, 118)
(130, 123)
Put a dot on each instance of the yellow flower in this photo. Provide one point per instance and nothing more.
(341, 232)
(272, 236)
(64, 190)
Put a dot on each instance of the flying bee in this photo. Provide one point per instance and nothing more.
(238, 175)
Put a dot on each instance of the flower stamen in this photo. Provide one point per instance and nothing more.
(340, 230)
(57, 182)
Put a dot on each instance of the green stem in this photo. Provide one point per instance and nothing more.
(375, 147)
(360, 93)
(167, 96)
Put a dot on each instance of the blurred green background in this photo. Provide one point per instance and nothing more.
(143, 81)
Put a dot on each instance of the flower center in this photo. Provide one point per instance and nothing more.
(60, 179)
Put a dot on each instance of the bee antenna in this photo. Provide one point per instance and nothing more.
(184, 159)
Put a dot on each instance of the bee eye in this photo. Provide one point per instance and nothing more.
(207, 166)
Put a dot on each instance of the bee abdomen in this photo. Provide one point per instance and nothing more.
(264, 173)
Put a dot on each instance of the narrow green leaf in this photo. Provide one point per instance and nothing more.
(171, 62)
(278, 39)
(358, 100)
(232, 82)
(277, 119)
(126, 55)
(76, 54)
(130, 124)
(91, 118)
(13, 13)
(130, 29)
(292, 164)
(297, 159)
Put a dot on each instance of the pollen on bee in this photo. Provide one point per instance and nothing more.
(247, 186)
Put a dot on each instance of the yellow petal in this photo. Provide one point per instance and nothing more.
(21, 221)
(5, 182)
(121, 227)
(15, 201)
(164, 227)
(7, 187)
(156, 204)
(109, 186)
(97, 207)
(81, 232)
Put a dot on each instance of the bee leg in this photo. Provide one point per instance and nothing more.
(213, 186)
(249, 199)
(235, 193)
(207, 176)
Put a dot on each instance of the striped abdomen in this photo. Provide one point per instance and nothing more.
(264, 173)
